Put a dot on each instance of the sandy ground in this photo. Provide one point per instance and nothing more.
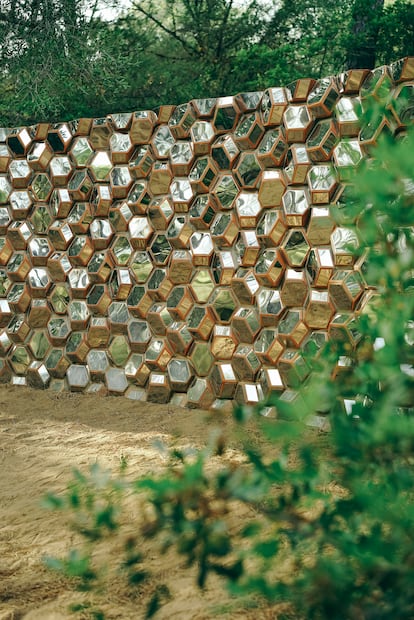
(43, 436)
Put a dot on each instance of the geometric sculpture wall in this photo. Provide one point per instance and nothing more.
(189, 253)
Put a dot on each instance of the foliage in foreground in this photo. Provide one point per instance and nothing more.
(333, 539)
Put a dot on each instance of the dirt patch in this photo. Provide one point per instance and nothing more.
(42, 438)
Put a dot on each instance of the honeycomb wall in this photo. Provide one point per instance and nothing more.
(189, 253)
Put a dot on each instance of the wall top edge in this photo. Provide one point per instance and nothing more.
(348, 82)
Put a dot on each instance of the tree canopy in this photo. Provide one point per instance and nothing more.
(60, 59)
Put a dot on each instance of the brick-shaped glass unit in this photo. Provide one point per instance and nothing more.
(188, 254)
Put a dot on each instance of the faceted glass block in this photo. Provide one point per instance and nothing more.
(158, 354)
(224, 230)
(57, 364)
(225, 152)
(159, 285)
(181, 193)
(297, 122)
(295, 248)
(323, 97)
(77, 347)
(136, 370)
(347, 155)
(293, 368)
(79, 282)
(80, 185)
(345, 289)
(320, 266)
(269, 268)
(249, 131)
(267, 347)
(17, 268)
(226, 114)
(249, 394)
(162, 142)
(159, 318)
(272, 188)
(225, 191)
(248, 209)
(273, 105)
(271, 381)
(246, 324)
(41, 187)
(19, 234)
(202, 174)
(160, 213)
(179, 303)
(160, 250)
(39, 313)
(344, 242)
(272, 148)
(292, 329)
(200, 322)
(119, 350)
(5, 189)
(319, 310)
(78, 377)
(158, 389)
(59, 299)
(181, 120)
(322, 183)
(100, 166)
(20, 203)
(80, 251)
(41, 219)
(98, 364)
(18, 298)
(81, 151)
(19, 141)
(271, 228)
(223, 266)
(79, 315)
(121, 181)
(121, 251)
(120, 215)
(59, 137)
(20, 173)
(6, 251)
(160, 178)
(348, 112)
(140, 231)
(202, 248)
(116, 381)
(223, 342)
(202, 135)
(297, 164)
(118, 316)
(245, 286)
(224, 380)
(5, 158)
(142, 124)
(100, 267)
(204, 107)
(180, 375)
(296, 207)
(6, 312)
(120, 284)
(344, 328)
(320, 226)
(200, 394)
(181, 157)
(98, 332)
(59, 329)
(80, 218)
(60, 169)
(121, 147)
(245, 363)
(202, 285)
(139, 335)
(4, 217)
(39, 281)
(179, 337)
(322, 140)
(20, 360)
(223, 304)
(181, 267)
(295, 288)
(101, 233)
(98, 299)
(248, 170)
(248, 248)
